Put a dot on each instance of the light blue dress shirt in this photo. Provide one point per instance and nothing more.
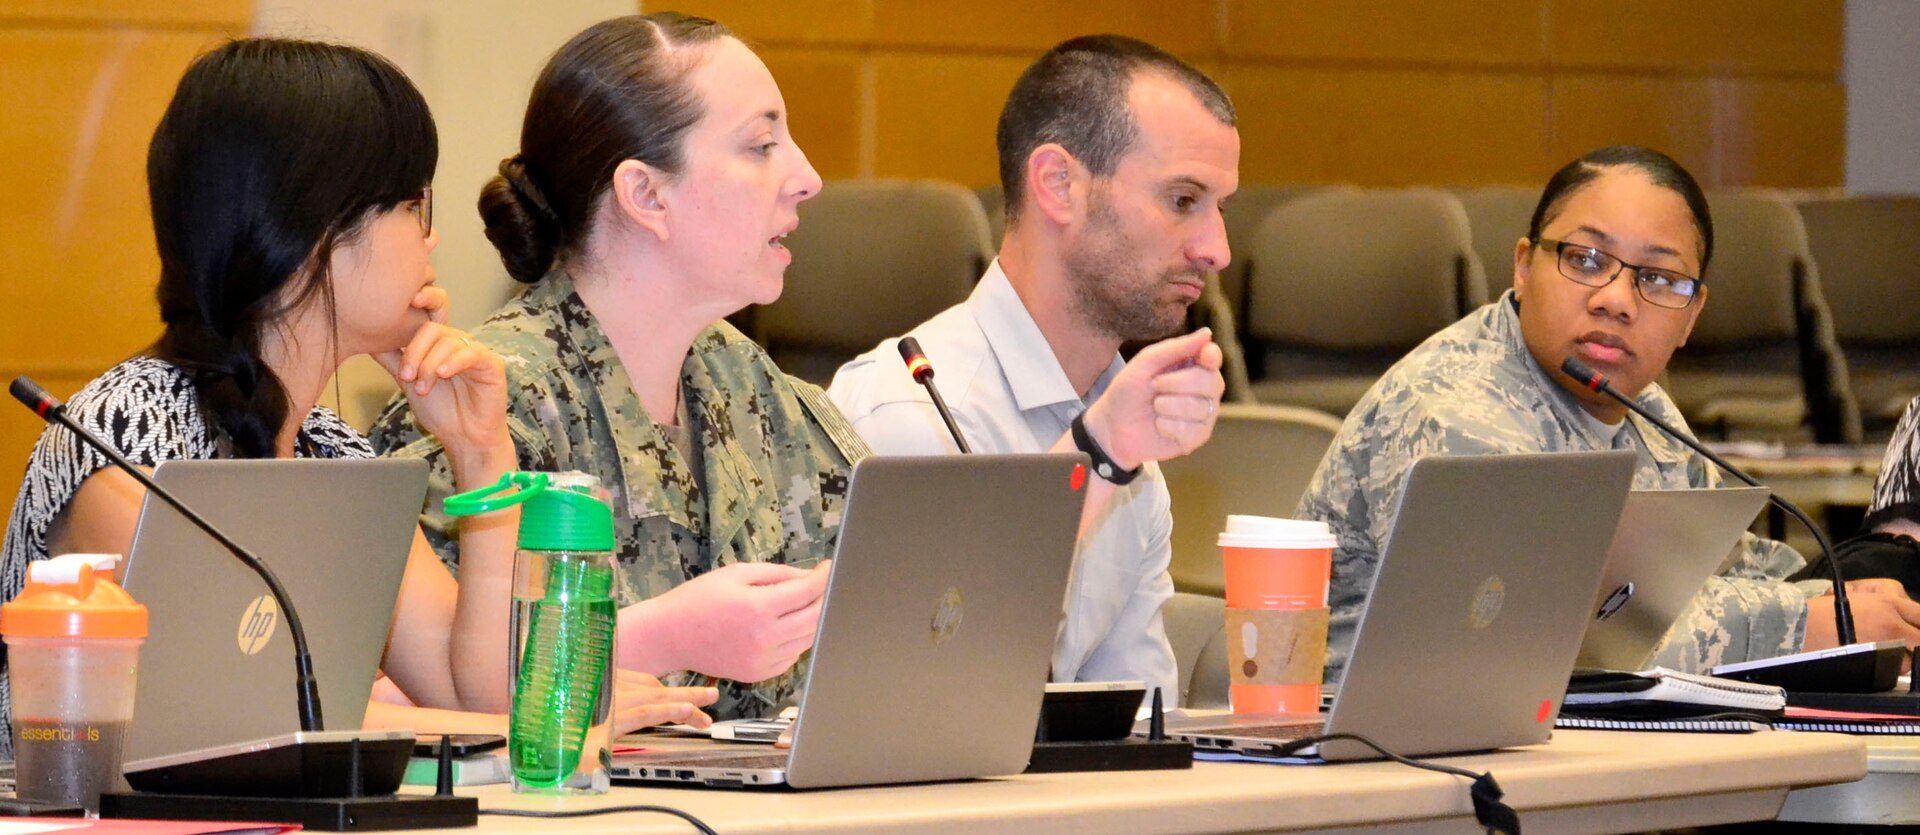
(1008, 394)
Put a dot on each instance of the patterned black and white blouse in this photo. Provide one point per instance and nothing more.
(1896, 495)
(147, 409)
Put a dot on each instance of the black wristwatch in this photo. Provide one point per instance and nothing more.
(1103, 464)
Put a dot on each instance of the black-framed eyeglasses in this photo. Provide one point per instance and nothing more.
(1594, 268)
(425, 211)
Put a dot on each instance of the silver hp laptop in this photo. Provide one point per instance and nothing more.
(935, 634)
(336, 533)
(1668, 544)
(1475, 615)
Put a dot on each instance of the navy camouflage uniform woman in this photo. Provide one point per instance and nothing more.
(655, 180)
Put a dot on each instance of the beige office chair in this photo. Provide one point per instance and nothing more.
(1193, 621)
(871, 260)
(1341, 284)
(1762, 361)
(1250, 207)
(1259, 461)
(1498, 217)
(1868, 251)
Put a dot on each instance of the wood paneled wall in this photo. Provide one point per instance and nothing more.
(1384, 92)
(82, 84)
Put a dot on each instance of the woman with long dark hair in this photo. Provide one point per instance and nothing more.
(290, 184)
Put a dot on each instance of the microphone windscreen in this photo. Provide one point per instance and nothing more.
(29, 392)
(916, 360)
(910, 349)
(1581, 373)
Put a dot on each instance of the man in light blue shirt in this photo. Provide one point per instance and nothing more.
(1115, 158)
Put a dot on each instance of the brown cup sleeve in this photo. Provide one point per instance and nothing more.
(1289, 646)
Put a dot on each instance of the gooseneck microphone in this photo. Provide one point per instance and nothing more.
(1842, 611)
(307, 692)
(922, 371)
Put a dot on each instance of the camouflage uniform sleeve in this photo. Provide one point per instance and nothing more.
(1736, 619)
(1357, 486)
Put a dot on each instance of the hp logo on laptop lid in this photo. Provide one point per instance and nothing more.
(946, 615)
(257, 624)
(1487, 601)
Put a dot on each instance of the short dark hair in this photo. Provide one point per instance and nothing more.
(1076, 95)
(617, 91)
(1662, 169)
(272, 153)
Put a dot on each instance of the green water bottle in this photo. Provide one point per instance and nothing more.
(560, 734)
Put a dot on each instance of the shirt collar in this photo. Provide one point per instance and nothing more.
(1027, 362)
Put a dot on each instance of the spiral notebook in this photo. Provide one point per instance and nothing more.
(1847, 722)
(1696, 726)
(1664, 693)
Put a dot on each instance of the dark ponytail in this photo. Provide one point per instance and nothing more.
(271, 154)
(617, 91)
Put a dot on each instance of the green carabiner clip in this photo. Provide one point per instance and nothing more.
(489, 499)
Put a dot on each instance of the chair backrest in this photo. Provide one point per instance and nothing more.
(1869, 257)
(1498, 216)
(1211, 685)
(1762, 359)
(1249, 208)
(1259, 461)
(1192, 622)
(871, 260)
(1868, 249)
(1759, 252)
(1362, 270)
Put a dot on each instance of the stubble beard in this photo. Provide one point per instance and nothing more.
(1110, 290)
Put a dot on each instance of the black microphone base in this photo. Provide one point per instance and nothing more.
(324, 814)
(323, 764)
(1110, 755)
(1855, 669)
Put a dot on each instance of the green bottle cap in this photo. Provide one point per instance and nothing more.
(559, 511)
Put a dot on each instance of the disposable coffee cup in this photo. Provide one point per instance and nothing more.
(73, 646)
(1277, 572)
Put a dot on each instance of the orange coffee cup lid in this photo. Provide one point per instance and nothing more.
(73, 596)
(1269, 532)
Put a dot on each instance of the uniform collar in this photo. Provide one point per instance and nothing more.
(654, 477)
(1664, 450)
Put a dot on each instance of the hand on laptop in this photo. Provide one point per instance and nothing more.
(746, 621)
(641, 701)
(1881, 611)
(1162, 404)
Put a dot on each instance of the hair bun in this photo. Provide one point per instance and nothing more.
(520, 222)
(513, 169)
